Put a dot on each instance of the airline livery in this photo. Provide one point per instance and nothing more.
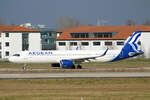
(68, 58)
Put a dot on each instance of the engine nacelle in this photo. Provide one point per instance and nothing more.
(67, 64)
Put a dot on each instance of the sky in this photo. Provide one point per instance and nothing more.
(114, 12)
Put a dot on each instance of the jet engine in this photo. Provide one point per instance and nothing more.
(67, 64)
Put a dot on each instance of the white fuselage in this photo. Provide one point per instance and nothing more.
(56, 56)
(67, 57)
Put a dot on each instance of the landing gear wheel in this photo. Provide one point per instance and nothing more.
(79, 67)
(25, 67)
(73, 67)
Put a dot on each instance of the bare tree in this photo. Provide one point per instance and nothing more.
(65, 22)
(130, 22)
(146, 22)
(2, 22)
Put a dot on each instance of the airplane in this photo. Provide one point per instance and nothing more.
(68, 58)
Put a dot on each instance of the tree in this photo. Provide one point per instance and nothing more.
(130, 22)
(147, 22)
(65, 22)
(2, 22)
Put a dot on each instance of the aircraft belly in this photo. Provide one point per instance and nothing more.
(43, 60)
(104, 59)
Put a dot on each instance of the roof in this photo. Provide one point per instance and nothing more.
(122, 31)
(14, 28)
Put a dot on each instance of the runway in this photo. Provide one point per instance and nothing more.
(76, 75)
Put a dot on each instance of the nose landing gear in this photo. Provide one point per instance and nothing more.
(25, 67)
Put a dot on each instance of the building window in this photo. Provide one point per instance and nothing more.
(48, 40)
(120, 43)
(62, 43)
(73, 43)
(25, 41)
(106, 35)
(108, 43)
(84, 43)
(79, 35)
(48, 44)
(6, 34)
(7, 53)
(0, 45)
(103, 35)
(46, 35)
(0, 54)
(96, 43)
(7, 44)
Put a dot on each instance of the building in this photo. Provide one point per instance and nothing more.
(48, 35)
(48, 38)
(14, 38)
(101, 37)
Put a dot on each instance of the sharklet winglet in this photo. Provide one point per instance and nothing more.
(105, 52)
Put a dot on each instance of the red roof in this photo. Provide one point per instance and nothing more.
(122, 31)
(14, 28)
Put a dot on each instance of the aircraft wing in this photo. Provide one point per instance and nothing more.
(89, 58)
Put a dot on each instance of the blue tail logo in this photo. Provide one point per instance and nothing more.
(131, 46)
(134, 41)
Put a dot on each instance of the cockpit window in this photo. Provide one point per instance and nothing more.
(16, 55)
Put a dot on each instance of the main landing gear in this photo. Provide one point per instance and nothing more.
(79, 67)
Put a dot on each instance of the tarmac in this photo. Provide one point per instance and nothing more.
(76, 75)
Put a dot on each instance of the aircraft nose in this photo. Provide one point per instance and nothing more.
(10, 59)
